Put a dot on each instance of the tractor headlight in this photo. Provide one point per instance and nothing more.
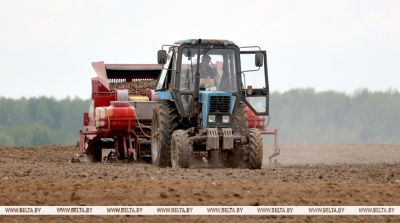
(225, 119)
(211, 118)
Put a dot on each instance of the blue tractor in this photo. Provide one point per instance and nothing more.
(200, 117)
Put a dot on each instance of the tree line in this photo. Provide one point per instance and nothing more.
(305, 116)
(300, 115)
(43, 120)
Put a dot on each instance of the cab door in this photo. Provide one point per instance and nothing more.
(254, 77)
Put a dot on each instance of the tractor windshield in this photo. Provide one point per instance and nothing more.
(217, 69)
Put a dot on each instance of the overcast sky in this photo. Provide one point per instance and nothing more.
(46, 47)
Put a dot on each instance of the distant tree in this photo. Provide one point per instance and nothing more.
(6, 139)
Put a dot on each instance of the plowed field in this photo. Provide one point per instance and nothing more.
(315, 174)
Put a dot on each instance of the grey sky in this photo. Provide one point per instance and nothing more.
(46, 47)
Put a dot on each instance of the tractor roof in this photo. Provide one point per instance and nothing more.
(213, 41)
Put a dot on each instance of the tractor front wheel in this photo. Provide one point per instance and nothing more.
(256, 149)
(180, 149)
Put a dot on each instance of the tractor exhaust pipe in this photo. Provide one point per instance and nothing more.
(197, 76)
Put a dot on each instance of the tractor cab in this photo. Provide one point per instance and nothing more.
(222, 67)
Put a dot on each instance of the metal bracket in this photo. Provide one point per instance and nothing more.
(276, 151)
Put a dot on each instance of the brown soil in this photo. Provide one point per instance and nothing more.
(342, 175)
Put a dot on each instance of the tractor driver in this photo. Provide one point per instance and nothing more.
(207, 71)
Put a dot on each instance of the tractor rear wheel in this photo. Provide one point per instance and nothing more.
(164, 123)
(180, 149)
(256, 149)
(235, 156)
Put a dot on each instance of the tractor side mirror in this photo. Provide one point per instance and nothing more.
(259, 59)
(162, 57)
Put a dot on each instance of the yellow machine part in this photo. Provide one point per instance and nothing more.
(138, 98)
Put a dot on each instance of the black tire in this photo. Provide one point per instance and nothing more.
(235, 156)
(256, 149)
(93, 156)
(215, 157)
(164, 123)
(241, 116)
(180, 150)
